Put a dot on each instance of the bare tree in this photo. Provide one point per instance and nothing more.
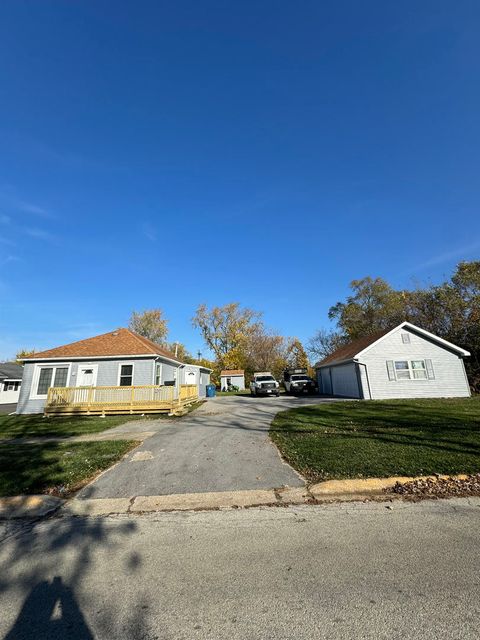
(323, 343)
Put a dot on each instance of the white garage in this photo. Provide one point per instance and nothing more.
(404, 362)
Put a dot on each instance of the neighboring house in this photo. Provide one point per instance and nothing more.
(116, 359)
(232, 377)
(406, 362)
(10, 382)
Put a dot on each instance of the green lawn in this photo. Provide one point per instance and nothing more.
(37, 425)
(381, 438)
(60, 468)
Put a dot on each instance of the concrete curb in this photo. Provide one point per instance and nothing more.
(28, 506)
(323, 492)
(363, 489)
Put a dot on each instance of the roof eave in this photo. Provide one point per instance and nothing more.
(118, 356)
(321, 365)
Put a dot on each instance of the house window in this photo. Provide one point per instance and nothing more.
(126, 375)
(406, 338)
(410, 370)
(55, 376)
(11, 386)
(158, 374)
(60, 379)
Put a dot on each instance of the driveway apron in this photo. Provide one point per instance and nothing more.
(223, 446)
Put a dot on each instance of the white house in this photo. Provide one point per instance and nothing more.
(405, 362)
(10, 382)
(232, 378)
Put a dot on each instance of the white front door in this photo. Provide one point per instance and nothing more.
(190, 377)
(87, 375)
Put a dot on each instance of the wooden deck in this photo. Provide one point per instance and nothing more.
(116, 400)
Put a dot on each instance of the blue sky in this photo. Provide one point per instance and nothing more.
(172, 153)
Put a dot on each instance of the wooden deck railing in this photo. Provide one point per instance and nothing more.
(103, 400)
(188, 393)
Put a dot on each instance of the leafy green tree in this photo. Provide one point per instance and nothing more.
(226, 331)
(296, 355)
(181, 352)
(150, 324)
(450, 310)
(24, 353)
(373, 306)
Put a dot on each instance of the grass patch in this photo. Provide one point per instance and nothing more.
(58, 468)
(381, 438)
(36, 425)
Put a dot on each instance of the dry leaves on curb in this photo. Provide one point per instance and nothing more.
(438, 487)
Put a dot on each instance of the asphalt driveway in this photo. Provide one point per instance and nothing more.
(223, 446)
(8, 408)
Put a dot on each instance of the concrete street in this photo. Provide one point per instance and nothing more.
(338, 571)
(223, 446)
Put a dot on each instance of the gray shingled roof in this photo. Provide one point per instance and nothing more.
(10, 370)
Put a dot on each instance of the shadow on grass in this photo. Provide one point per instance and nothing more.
(409, 437)
(59, 468)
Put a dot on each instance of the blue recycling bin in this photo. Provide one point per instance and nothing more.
(211, 391)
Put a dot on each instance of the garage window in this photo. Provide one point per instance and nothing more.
(410, 370)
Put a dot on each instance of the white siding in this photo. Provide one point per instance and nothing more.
(25, 405)
(365, 382)
(8, 397)
(450, 379)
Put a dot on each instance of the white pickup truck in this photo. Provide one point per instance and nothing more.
(264, 384)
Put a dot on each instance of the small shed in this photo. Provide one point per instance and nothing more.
(232, 378)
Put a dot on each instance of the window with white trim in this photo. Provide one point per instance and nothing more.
(158, 374)
(49, 376)
(10, 385)
(126, 375)
(410, 370)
